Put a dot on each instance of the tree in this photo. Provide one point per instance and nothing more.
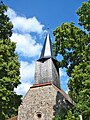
(84, 15)
(80, 93)
(70, 116)
(73, 44)
(9, 68)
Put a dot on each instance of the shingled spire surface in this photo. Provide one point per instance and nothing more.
(47, 50)
(46, 69)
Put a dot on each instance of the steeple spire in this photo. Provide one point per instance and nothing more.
(46, 69)
(47, 51)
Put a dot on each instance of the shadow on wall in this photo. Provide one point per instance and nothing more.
(60, 109)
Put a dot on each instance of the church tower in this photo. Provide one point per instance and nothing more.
(47, 70)
(45, 99)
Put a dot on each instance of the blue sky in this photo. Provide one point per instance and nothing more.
(31, 19)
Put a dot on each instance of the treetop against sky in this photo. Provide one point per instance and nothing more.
(31, 20)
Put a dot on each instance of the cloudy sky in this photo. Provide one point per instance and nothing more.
(31, 18)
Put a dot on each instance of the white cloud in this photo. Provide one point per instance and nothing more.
(11, 13)
(62, 72)
(66, 91)
(27, 71)
(23, 24)
(26, 45)
(22, 88)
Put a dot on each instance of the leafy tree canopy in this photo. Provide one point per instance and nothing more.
(73, 44)
(84, 15)
(9, 68)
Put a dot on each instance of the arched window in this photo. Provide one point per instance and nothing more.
(39, 115)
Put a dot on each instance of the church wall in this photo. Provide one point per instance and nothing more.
(41, 103)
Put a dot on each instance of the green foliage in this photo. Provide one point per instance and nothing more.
(79, 85)
(60, 113)
(70, 116)
(9, 68)
(74, 46)
(5, 24)
(71, 43)
(57, 118)
(84, 15)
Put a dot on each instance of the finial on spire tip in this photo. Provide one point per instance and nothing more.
(1, 2)
(48, 30)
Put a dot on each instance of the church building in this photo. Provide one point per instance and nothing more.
(45, 99)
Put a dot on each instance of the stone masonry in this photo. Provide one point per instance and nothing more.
(43, 103)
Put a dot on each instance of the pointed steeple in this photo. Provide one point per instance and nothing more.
(46, 69)
(47, 51)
